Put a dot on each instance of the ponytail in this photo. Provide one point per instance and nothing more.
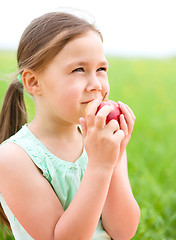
(13, 114)
(12, 117)
(4, 221)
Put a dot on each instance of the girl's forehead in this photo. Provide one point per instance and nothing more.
(88, 44)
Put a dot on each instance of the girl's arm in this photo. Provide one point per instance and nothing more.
(102, 147)
(121, 212)
(32, 199)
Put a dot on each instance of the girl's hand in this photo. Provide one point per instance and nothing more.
(102, 142)
(127, 120)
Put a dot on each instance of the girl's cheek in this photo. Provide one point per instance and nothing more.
(105, 89)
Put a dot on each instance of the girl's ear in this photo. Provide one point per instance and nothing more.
(31, 82)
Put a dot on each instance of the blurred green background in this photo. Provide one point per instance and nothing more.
(148, 86)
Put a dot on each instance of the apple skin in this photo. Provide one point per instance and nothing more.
(114, 114)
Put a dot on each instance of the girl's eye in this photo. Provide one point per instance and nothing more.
(78, 70)
(102, 69)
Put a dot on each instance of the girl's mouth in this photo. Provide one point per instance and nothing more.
(86, 102)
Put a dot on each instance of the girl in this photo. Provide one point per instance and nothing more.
(59, 180)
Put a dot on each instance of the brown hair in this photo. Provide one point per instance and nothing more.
(41, 41)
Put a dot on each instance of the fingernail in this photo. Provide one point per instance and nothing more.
(81, 119)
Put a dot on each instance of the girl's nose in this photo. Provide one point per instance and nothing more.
(94, 84)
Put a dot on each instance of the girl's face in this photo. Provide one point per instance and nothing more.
(76, 76)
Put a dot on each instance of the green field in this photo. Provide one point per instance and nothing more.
(148, 86)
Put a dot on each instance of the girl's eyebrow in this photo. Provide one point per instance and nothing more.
(104, 63)
(83, 63)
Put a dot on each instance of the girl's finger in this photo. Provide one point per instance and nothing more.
(123, 124)
(119, 135)
(128, 118)
(129, 110)
(84, 126)
(113, 125)
(90, 112)
(100, 120)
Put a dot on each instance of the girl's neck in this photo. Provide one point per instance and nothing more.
(53, 130)
(64, 141)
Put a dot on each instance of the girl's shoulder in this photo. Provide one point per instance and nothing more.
(13, 162)
(23, 189)
(10, 155)
(9, 151)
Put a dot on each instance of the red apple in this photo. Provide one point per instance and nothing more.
(114, 114)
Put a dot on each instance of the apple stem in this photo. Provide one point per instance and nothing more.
(104, 96)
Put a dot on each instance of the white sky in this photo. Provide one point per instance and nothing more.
(129, 27)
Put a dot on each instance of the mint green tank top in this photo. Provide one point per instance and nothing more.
(64, 177)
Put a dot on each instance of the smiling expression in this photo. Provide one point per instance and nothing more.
(76, 76)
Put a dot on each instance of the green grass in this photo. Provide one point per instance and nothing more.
(148, 87)
(8, 67)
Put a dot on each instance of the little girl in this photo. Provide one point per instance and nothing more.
(64, 176)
